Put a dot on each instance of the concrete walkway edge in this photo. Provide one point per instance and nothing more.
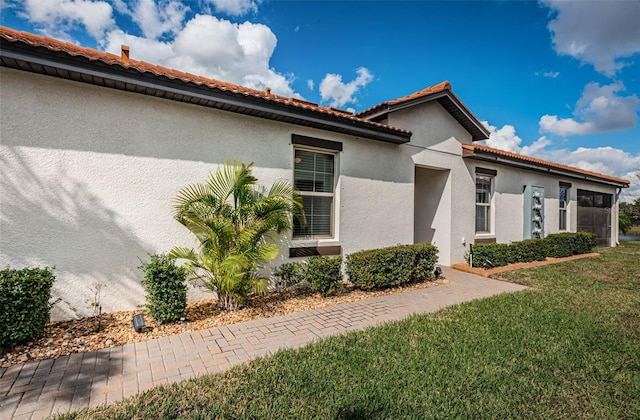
(39, 389)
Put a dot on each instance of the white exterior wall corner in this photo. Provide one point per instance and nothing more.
(88, 175)
(436, 143)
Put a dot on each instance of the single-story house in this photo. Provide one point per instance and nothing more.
(95, 146)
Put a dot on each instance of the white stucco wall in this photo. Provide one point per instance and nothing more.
(88, 175)
(437, 144)
(507, 207)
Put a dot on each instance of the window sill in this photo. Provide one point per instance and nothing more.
(484, 238)
(314, 250)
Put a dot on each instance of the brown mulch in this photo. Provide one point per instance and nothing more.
(491, 271)
(78, 336)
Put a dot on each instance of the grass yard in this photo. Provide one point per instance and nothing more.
(567, 348)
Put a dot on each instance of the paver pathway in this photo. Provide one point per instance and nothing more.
(42, 388)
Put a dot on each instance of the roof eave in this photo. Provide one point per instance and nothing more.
(189, 92)
(505, 160)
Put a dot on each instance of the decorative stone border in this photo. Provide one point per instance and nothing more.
(487, 273)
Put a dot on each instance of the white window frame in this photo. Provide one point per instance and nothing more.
(489, 205)
(333, 194)
(563, 210)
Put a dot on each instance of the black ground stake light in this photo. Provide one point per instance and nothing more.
(138, 322)
(438, 272)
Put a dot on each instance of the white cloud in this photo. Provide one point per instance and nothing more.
(536, 147)
(154, 18)
(337, 93)
(549, 74)
(599, 109)
(310, 84)
(205, 45)
(564, 126)
(215, 48)
(143, 49)
(600, 33)
(504, 138)
(605, 160)
(56, 17)
(235, 7)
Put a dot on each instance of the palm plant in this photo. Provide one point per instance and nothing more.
(236, 225)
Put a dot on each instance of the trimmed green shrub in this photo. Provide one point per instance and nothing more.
(527, 251)
(324, 274)
(567, 244)
(24, 303)
(584, 242)
(288, 275)
(165, 284)
(496, 255)
(560, 245)
(557, 245)
(386, 267)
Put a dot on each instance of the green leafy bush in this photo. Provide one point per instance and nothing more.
(557, 245)
(584, 243)
(386, 267)
(527, 251)
(288, 275)
(624, 223)
(494, 255)
(24, 303)
(324, 274)
(560, 244)
(165, 284)
(567, 244)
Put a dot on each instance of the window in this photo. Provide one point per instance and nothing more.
(313, 176)
(563, 204)
(483, 203)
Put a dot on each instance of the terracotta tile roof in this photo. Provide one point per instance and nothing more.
(544, 163)
(444, 95)
(440, 87)
(55, 45)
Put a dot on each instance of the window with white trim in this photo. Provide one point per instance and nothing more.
(483, 203)
(563, 204)
(314, 177)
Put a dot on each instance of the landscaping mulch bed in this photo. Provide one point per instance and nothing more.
(479, 271)
(78, 336)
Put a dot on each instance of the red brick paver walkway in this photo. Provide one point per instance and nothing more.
(39, 389)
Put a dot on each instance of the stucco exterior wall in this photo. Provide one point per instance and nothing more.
(437, 144)
(88, 175)
(507, 207)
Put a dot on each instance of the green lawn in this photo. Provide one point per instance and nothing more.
(569, 347)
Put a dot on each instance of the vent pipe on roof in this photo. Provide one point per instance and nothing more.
(124, 54)
(268, 91)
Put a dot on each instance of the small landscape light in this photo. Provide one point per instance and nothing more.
(438, 272)
(138, 322)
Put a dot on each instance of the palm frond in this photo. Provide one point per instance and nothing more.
(235, 223)
(188, 196)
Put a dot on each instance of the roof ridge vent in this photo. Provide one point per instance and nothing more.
(124, 54)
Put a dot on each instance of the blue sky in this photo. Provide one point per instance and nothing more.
(553, 79)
